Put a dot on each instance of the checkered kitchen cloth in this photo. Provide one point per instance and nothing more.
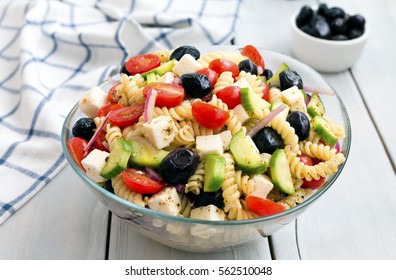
(53, 51)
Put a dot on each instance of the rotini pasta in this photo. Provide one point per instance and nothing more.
(121, 190)
(196, 181)
(225, 79)
(253, 81)
(229, 187)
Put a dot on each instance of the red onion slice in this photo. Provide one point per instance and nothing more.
(150, 104)
(152, 174)
(266, 120)
(324, 91)
(97, 131)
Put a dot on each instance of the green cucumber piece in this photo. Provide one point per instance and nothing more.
(251, 101)
(117, 160)
(275, 77)
(161, 70)
(247, 156)
(145, 154)
(315, 106)
(214, 172)
(280, 172)
(322, 128)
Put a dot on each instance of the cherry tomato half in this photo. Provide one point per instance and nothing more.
(127, 115)
(100, 142)
(142, 63)
(263, 206)
(169, 95)
(306, 160)
(211, 74)
(76, 147)
(209, 116)
(112, 94)
(221, 65)
(104, 110)
(137, 181)
(265, 91)
(230, 95)
(254, 55)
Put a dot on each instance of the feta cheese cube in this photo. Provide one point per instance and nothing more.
(225, 138)
(166, 201)
(263, 185)
(243, 83)
(294, 98)
(93, 164)
(209, 144)
(186, 64)
(168, 77)
(241, 113)
(160, 131)
(209, 212)
(92, 100)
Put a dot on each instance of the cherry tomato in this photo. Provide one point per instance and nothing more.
(265, 91)
(112, 94)
(254, 55)
(104, 110)
(263, 206)
(221, 65)
(209, 116)
(169, 95)
(142, 63)
(100, 142)
(76, 147)
(137, 181)
(127, 115)
(211, 74)
(313, 184)
(230, 95)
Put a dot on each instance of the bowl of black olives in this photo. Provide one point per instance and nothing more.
(328, 38)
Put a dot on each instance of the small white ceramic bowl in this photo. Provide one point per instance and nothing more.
(326, 55)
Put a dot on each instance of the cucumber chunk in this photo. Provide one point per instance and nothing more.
(246, 154)
(315, 106)
(214, 172)
(275, 77)
(251, 101)
(145, 154)
(118, 159)
(322, 128)
(280, 172)
(161, 70)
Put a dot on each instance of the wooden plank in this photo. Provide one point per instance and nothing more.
(127, 243)
(63, 221)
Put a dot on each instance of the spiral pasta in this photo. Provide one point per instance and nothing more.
(253, 81)
(225, 79)
(229, 187)
(131, 89)
(245, 184)
(239, 214)
(234, 56)
(196, 181)
(185, 206)
(181, 112)
(164, 54)
(113, 132)
(286, 131)
(121, 190)
(319, 151)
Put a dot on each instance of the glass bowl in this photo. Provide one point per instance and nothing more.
(205, 236)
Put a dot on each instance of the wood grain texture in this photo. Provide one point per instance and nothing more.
(63, 221)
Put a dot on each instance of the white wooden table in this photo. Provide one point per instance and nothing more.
(356, 218)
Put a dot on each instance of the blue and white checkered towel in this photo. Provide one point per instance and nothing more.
(53, 51)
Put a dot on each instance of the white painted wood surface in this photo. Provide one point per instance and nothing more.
(356, 218)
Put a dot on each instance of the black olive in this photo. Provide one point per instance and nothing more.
(321, 28)
(309, 30)
(356, 22)
(354, 33)
(335, 12)
(323, 10)
(267, 140)
(248, 66)
(179, 165)
(196, 85)
(300, 122)
(182, 50)
(206, 198)
(108, 186)
(289, 78)
(339, 26)
(124, 70)
(339, 37)
(267, 74)
(304, 16)
(84, 128)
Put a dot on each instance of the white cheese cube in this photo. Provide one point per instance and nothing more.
(243, 83)
(209, 144)
(241, 113)
(160, 131)
(92, 100)
(168, 77)
(166, 201)
(263, 185)
(225, 138)
(186, 64)
(294, 98)
(209, 212)
(93, 164)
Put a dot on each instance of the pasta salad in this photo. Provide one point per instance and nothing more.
(214, 136)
